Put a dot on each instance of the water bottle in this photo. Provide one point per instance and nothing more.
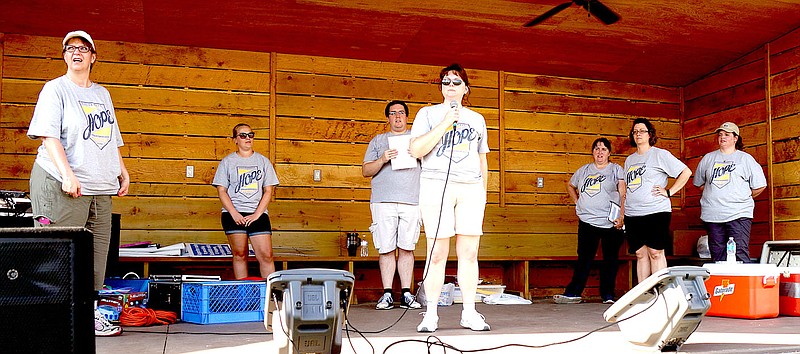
(731, 251)
(364, 248)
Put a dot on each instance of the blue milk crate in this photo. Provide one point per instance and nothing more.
(223, 302)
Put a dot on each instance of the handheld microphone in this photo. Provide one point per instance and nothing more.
(454, 104)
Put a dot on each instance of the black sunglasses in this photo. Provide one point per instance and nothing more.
(247, 135)
(446, 82)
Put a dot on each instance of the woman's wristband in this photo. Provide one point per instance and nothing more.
(668, 193)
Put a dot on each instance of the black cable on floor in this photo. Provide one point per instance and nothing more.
(442, 344)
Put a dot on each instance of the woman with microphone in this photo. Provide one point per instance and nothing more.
(451, 140)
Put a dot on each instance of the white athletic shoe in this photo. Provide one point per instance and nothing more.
(474, 321)
(430, 323)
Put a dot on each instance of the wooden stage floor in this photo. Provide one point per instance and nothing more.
(537, 324)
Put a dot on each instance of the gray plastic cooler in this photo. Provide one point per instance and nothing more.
(312, 304)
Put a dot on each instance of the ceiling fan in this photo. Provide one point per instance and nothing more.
(594, 7)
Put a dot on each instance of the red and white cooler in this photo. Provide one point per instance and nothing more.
(743, 290)
(789, 293)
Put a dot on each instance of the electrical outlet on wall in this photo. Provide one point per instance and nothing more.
(317, 175)
(189, 171)
(540, 182)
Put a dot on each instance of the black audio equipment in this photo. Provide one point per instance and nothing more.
(46, 290)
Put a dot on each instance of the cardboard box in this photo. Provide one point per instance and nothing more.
(789, 293)
(111, 304)
(743, 290)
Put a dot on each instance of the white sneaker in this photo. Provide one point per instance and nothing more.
(430, 323)
(103, 328)
(407, 301)
(474, 321)
(566, 299)
(385, 302)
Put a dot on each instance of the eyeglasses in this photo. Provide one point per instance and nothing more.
(637, 132)
(81, 48)
(247, 135)
(446, 82)
(398, 113)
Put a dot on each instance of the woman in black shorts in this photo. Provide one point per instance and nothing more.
(245, 180)
(647, 199)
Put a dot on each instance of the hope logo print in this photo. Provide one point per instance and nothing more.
(455, 143)
(248, 180)
(633, 177)
(721, 173)
(98, 123)
(592, 183)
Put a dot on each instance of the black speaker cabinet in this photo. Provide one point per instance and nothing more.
(46, 290)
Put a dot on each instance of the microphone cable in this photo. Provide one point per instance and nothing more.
(442, 344)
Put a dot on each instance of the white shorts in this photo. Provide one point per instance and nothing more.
(394, 225)
(463, 208)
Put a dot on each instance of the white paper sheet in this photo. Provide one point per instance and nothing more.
(613, 214)
(403, 159)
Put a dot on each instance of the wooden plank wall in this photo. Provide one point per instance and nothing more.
(549, 125)
(736, 93)
(759, 92)
(176, 106)
(784, 93)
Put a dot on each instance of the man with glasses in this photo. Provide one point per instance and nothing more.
(394, 199)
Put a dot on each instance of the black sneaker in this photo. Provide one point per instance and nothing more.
(385, 303)
(407, 301)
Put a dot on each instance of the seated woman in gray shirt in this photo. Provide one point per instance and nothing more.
(730, 178)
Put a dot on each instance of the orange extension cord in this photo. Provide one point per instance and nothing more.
(140, 317)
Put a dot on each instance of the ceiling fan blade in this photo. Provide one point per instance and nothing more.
(548, 14)
(602, 12)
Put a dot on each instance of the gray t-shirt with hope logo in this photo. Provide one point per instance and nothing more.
(83, 118)
(245, 179)
(458, 149)
(642, 173)
(728, 181)
(597, 188)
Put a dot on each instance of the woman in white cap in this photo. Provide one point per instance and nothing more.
(78, 166)
(730, 178)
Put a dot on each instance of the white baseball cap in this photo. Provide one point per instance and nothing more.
(81, 34)
(729, 127)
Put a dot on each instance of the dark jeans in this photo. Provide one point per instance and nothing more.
(588, 238)
(718, 234)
